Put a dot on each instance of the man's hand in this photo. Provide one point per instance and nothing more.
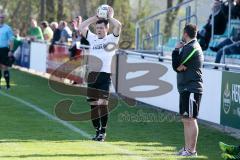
(110, 12)
(83, 28)
(179, 45)
(181, 68)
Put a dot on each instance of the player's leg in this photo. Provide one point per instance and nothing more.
(95, 117)
(93, 102)
(186, 132)
(4, 65)
(105, 80)
(183, 111)
(103, 107)
(189, 114)
(193, 130)
(193, 134)
(6, 75)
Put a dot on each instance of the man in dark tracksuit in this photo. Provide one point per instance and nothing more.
(188, 62)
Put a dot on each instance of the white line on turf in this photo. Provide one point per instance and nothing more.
(68, 125)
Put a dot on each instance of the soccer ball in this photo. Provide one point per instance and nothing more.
(102, 11)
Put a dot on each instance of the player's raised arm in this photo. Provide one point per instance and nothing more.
(117, 26)
(84, 25)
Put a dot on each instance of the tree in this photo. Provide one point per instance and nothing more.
(170, 19)
(50, 10)
(60, 10)
(83, 8)
(42, 10)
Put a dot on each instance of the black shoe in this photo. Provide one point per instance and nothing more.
(226, 69)
(8, 87)
(214, 49)
(95, 138)
(102, 137)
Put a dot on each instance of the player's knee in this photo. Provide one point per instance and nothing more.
(92, 101)
(103, 102)
(185, 120)
(192, 120)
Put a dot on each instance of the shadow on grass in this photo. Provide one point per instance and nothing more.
(21, 124)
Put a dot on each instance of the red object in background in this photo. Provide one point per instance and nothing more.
(59, 63)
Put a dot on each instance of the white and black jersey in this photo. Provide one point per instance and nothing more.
(98, 49)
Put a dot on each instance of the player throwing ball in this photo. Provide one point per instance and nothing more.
(100, 80)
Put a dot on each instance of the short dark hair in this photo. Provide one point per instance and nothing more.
(44, 24)
(100, 21)
(191, 30)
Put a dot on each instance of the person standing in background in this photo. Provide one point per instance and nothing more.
(6, 49)
(35, 32)
(47, 31)
(187, 61)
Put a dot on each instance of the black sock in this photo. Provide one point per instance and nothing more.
(7, 77)
(95, 117)
(104, 117)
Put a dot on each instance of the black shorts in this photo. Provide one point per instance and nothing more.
(189, 104)
(4, 59)
(98, 86)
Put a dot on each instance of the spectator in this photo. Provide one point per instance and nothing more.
(17, 41)
(47, 31)
(56, 32)
(148, 45)
(76, 35)
(236, 10)
(220, 13)
(75, 31)
(35, 32)
(66, 33)
(79, 20)
(6, 50)
(229, 45)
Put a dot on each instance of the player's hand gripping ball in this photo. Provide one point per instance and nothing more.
(105, 11)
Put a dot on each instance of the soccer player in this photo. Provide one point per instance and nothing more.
(6, 49)
(187, 61)
(100, 80)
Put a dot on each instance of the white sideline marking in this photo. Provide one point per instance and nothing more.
(68, 125)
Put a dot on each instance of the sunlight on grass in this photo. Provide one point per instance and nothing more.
(26, 134)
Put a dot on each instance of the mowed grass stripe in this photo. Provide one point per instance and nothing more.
(153, 140)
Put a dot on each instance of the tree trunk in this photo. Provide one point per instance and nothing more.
(83, 8)
(170, 19)
(50, 16)
(16, 10)
(60, 10)
(42, 10)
